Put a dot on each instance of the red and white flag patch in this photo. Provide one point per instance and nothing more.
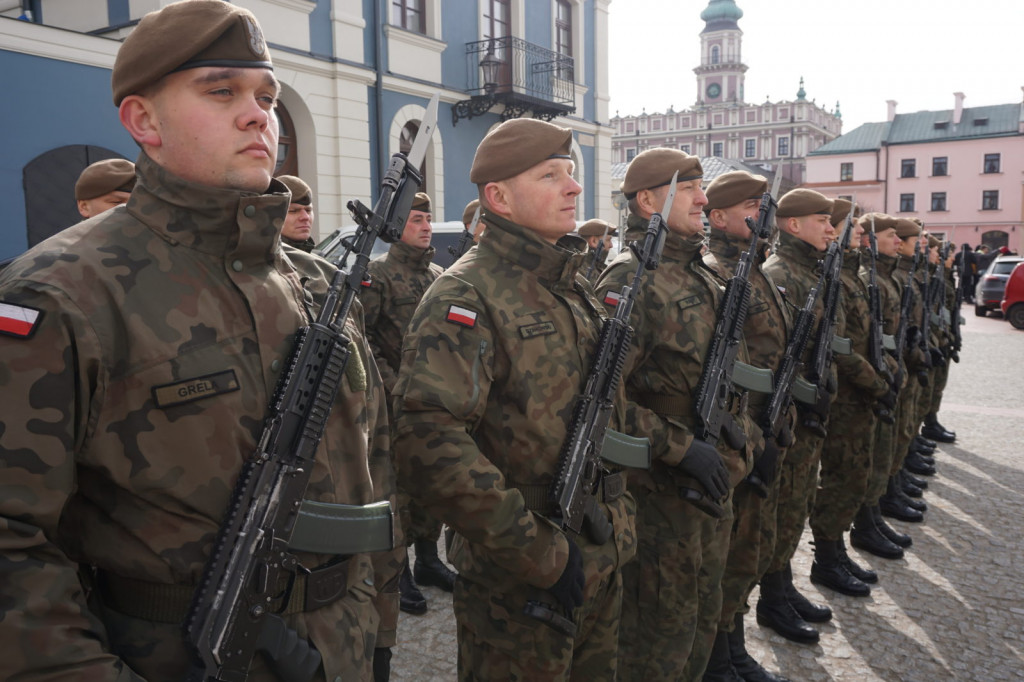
(460, 315)
(612, 299)
(18, 320)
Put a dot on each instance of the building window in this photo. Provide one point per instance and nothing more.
(287, 152)
(630, 153)
(846, 172)
(990, 199)
(685, 148)
(908, 168)
(409, 14)
(498, 19)
(629, 126)
(750, 148)
(751, 116)
(716, 149)
(715, 55)
(906, 203)
(563, 34)
(940, 166)
(656, 124)
(783, 146)
(938, 201)
(992, 163)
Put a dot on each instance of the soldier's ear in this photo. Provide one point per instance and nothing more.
(139, 117)
(496, 198)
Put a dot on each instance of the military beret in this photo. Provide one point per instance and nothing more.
(882, 222)
(105, 176)
(905, 227)
(518, 145)
(800, 202)
(421, 202)
(654, 168)
(187, 35)
(596, 228)
(301, 193)
(933, 241)
(733, 188)
(840, 208)
(470, 211)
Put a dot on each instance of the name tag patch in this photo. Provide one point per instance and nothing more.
(19, 321)
(759, 308)
(187, 390)
(690, 301)
(460, 315)
(529, 331)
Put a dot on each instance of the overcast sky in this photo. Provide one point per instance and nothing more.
(917, 52)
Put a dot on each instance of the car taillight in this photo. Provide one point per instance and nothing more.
(991, 278)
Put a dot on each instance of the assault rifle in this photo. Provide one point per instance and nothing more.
(252, 560)
(715, 390)
(876, 354)
(927, 294)
(906, 302)
(466, 240)
(573, 491)
(597, 253)
(954, 314)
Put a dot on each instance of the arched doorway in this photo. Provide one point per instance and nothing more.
(287, 143)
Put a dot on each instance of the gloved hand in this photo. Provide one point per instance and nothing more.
(938, 359)
(568, 589)
(703, 463)
(765, 466)
(954, 355)
(922, 378)
(886, 407)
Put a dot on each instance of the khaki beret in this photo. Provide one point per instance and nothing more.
(518, 145)
(104, 177)
(840, 209)
(596, 228)
(187, 35)
(933, 241)
(882, 222)
(470, 211)
(733, 188)
(301, 193)
(654, 168)
(801, 202)
(905, 228)
(421, 202)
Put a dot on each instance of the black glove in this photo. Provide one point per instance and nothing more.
(703, 464)
(568, 590)
(888, 400)
(938, 359)
(765, 466)
(913, 336)
(885, 409)
(922, 378)
(954, 355)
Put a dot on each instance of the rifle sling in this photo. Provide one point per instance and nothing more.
(537, 496)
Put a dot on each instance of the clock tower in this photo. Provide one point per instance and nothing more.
(720, 74)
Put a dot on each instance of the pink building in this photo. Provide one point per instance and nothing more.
(959, 170)
(721, 123)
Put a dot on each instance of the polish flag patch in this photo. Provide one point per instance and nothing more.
(19, 321)
(366, 282)
(460, 315)
(612, 298)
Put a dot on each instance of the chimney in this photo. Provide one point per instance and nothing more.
(958, 107)
(892, 109)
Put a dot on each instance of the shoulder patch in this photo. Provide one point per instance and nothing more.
(459, 315)
(19, 321)
(612, 298)
(367, 281)
(187, 390)
(529, 331)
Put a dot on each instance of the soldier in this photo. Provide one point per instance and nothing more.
(672, 593)
(598, 234)
(396, 284)
(805, 230)
(135, 387)
(104, 185)
(733, 197)
(467, 220)
(298, 224)
(496, 353)
(846, 454)
(950, 316)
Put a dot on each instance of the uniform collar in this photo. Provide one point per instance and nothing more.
(797, 250)
(522, 246)
(886, 264)
(678, 248)
(411, 256)
(727, 247)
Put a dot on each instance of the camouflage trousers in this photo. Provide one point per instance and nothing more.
(499, 643)
(672, 591)
(417, 523)
(908, 420)
(881, 459)
(845, 466)
(798, 481)
(939, 377)
(751, 546)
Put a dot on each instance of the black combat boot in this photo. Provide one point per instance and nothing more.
(867, 536)
(749, 669)
(930, 444)
(865, 575)
(908, 488)
(411, 600)
(893, 535)
(429, 569)
(774, 611)
(719, 665)
(893, 505)
(914, 480)
(898, 487)
(922, 447)
(828, 569)
(812, 613)
(936, 431)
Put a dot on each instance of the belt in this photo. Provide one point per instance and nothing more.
(537, 496)
(170, 603)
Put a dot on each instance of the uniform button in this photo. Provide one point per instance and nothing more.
(620, 537)
(337, 679)
(237, 265)
(275, 365)
(249, 211)
(368, 581)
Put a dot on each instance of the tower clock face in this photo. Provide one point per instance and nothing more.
(713, 90)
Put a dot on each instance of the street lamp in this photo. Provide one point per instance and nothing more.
(489, 68)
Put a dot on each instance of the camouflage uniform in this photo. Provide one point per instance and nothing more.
(765, 332)
(794, 268)
(907, 420)
(846, 454)
(495, 356)
(673, 597)
(941, 375)
(395, 286)
(599, 267)
(306, 244)
(129, 413)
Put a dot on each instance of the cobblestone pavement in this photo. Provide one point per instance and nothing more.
(952, 609)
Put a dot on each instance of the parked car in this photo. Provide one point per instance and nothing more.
(445, 234)
(1013, 297)
(989, 292)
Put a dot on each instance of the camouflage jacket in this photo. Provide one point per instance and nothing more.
(497, 351)
(673, 320)
(913, 356)
(396, 284)
(163, 327)
(598, 266)
(889, 298)
(306, 245)
(856, 373)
